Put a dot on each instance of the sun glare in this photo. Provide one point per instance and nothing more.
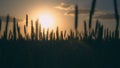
(46, 20)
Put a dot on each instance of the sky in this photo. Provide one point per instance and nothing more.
(61, 10)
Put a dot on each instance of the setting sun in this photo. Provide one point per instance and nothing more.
(46, 20)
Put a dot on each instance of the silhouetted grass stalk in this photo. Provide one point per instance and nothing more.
(6, 27)
(36, 30)
(18, 31)
(14, 28)
(57, 33)
(76, 19)
(25, 32)
(117, 19)
(40, 33)
(92, 10)
(92, 13)
(85, 30)
(32, 31)
(0, 27)
(26, 20)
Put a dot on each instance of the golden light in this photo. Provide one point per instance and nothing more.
(47, 20)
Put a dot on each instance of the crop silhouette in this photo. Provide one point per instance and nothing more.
(76, 19)
(0, 26)
(43, 34)
(14, 28)
(93, 48)
(47, 34)
(117, 19)
(25, 32)
(92, 13)
(61, 35)
(10, 37)
(6, 27)
(40, 33)
(32, 31)
(26, 20)
(36, 30)
(92, 10)
(85, 30)
(57, 34)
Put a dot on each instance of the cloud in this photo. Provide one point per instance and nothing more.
(80, 11)
(64, 6)
(3, 18)
(99, 14)
(70, 9)
(105, 16)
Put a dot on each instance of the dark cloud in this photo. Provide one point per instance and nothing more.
(3, 18)
(99, 14)
(105, 16)
(69, 9)
(80, 11)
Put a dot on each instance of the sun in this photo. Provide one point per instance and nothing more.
(46, 20)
